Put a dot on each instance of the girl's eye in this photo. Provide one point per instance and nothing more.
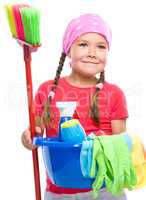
(82, 44)
(101, 46)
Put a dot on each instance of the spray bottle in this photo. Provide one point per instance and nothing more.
(67, 110)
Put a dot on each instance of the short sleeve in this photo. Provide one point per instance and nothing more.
(38, 104)
(118, 104)
(41, 98)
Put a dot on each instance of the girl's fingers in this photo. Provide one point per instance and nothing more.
(26, 140)
(38, 130)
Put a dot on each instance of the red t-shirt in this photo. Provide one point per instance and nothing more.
(111, 104)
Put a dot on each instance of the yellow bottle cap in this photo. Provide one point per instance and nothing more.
(70, 123)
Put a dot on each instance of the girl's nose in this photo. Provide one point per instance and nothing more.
(92, 52)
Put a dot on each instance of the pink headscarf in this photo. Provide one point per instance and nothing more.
(84, 24)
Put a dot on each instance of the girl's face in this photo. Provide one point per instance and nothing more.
(88, 54)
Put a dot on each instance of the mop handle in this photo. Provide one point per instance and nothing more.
(27, 59)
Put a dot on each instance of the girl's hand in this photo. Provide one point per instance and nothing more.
(26, 138)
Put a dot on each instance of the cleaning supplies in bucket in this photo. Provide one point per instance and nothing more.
(66, 109)
(62, 154)
(72, 131)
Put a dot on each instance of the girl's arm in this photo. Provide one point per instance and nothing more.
(118, 126)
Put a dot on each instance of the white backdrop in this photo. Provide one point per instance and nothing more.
(126, 68)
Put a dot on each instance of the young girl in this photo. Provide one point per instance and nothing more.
(101, 105)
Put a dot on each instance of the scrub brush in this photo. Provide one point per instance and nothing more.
(24, 23)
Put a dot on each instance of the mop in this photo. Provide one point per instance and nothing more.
(24, 23)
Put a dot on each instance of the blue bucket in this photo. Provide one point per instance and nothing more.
(62, 162)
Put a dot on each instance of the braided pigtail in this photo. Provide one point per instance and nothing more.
(94, 110)
(46, 117)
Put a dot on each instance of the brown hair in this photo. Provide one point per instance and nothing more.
(94, 109)
(44, 120)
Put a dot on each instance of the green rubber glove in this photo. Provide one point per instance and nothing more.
(111, 164)
(111, 161)
(126, 170)
(98, 168)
